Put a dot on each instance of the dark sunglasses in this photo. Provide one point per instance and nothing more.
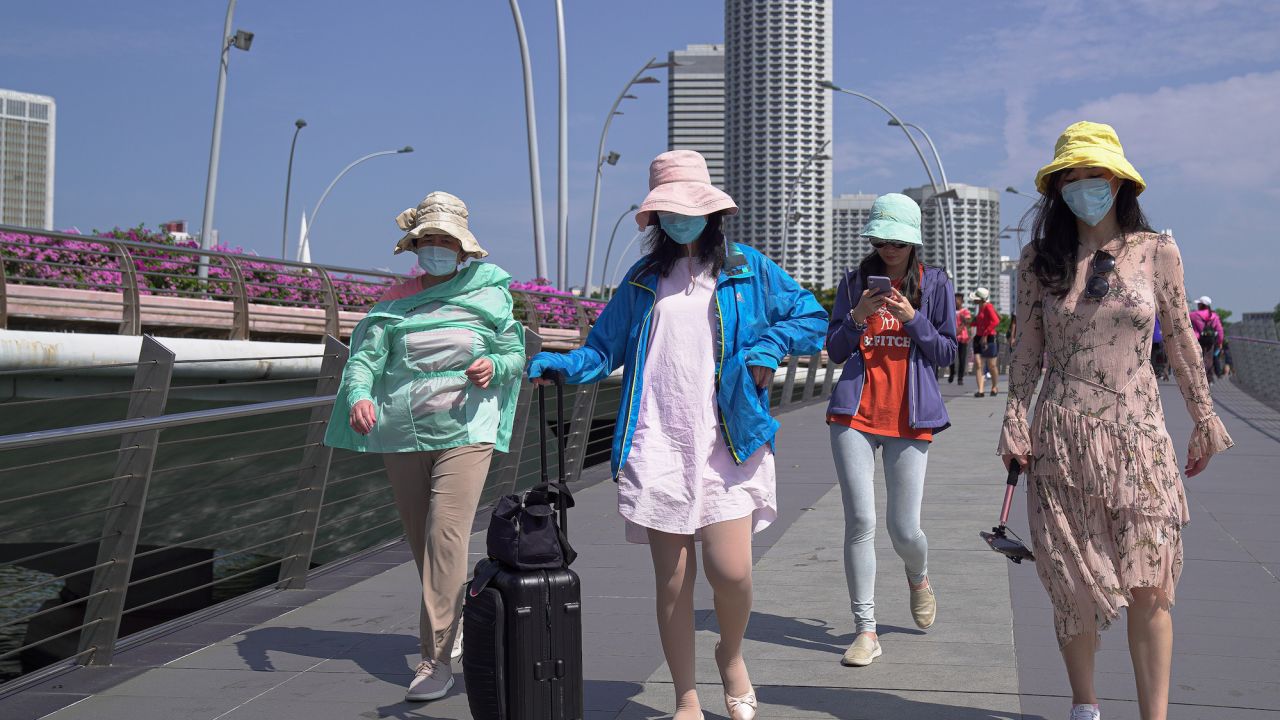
(1098, 286)
(877, 244)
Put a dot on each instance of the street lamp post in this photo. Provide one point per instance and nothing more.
(609, 249)
(288, 178)
(638, 79)
(1023, 218)
(818, 156)
(531, 129)
(623, 258)
(241, 40)
(562, 191)
(306, 236)
(948, 217)
(827, 84)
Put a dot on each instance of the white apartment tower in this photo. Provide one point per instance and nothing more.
(849, 214)
(695, 105)
(776, 118)
(26, 159)
(977, 225)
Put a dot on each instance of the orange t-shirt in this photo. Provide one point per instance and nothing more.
(886, 353)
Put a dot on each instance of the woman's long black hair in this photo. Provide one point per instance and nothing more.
(663, 252)
(873, 264)
(1056, 240)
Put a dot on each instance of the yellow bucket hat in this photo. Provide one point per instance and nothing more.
(1089, 144)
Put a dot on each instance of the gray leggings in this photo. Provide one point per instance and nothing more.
(904, 468)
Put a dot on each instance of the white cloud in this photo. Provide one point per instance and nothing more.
(1221, 133)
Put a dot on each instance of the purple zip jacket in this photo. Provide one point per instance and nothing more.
(933, 345)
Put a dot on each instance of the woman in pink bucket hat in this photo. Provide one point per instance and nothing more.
(699, 326)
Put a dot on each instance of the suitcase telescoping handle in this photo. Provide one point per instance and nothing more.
(558, 379)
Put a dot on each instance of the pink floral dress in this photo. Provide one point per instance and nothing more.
(1104, 493)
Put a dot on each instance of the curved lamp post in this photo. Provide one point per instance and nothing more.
(531, 129)
(638, 79)
(241, 40)
(1021, 220)
(617, 270)
(827, 84)
(609, 248)
(818, 156)
(306, 237)
(947, 215)
(288, 178)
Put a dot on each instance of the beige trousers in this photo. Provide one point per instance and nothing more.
(436, 495)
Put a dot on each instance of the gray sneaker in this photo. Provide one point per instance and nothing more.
(432, 681)
(863, 650)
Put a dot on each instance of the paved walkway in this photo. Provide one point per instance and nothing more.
(343, 648)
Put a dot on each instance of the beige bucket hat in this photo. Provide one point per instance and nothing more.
(438, 214)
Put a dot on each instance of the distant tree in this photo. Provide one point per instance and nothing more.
(1222, 314)
(1275, 315)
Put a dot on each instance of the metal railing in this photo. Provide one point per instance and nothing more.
(67, 279)
(119, 524)
(1255, 355)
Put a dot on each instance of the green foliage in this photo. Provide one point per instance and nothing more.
(826, 296)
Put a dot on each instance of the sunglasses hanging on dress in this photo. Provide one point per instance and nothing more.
(999, 540)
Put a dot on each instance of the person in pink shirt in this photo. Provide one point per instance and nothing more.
(403, 289)
(963, 320)
(1208, 327)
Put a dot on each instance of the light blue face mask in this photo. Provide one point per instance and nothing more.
(436, 260)
(684, 229)
(1089, 199)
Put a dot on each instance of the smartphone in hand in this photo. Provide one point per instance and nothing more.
(880, 285)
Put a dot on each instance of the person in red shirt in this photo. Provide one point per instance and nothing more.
(963, 317)
(986, 348)
(892, 344)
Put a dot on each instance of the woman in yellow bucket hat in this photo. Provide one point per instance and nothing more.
(1106, 504)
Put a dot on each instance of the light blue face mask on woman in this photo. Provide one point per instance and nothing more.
(1089, 199)
(436, 260)
(684, 229)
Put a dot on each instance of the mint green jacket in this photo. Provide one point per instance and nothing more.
(409, 358)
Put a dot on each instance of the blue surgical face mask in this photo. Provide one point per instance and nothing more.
(436, 260)
(1089, 199)
(684, 229)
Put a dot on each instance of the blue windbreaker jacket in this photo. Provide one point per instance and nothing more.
(763, 315)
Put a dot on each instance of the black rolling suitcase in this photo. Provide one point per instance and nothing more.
(522, 650)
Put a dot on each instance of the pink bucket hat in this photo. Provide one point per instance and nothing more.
(679, 182)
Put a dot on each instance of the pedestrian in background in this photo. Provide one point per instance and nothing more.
(986, 346)
(963, 318)
(887, 399)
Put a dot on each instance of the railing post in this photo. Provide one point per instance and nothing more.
(811, 381)
(830, 378)
(508, 465)
(575, 451)
(534, 319)
(584, 323)
(239, 299)
(789, 384)
(331, 306)
(122, 525)
(4, 296)
(313, 474)
(131, 320)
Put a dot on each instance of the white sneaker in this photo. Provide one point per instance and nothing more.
(432, 681)
(456, 655)
(1085, 712)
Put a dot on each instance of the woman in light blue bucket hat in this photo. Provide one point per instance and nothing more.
(893, 326)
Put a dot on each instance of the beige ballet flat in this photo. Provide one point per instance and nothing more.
(743, 707)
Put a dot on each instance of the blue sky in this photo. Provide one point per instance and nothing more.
(1192, 86)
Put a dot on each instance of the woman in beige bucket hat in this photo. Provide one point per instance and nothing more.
(699, 325)
(431, 384)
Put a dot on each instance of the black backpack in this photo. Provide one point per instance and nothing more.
(1209, 334)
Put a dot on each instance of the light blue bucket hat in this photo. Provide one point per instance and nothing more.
(894, 217)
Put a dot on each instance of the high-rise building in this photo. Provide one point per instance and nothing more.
(776, 118)
(849, 214)
(695, 105)
(976, 216)
(26, 159)
(1006, 292)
